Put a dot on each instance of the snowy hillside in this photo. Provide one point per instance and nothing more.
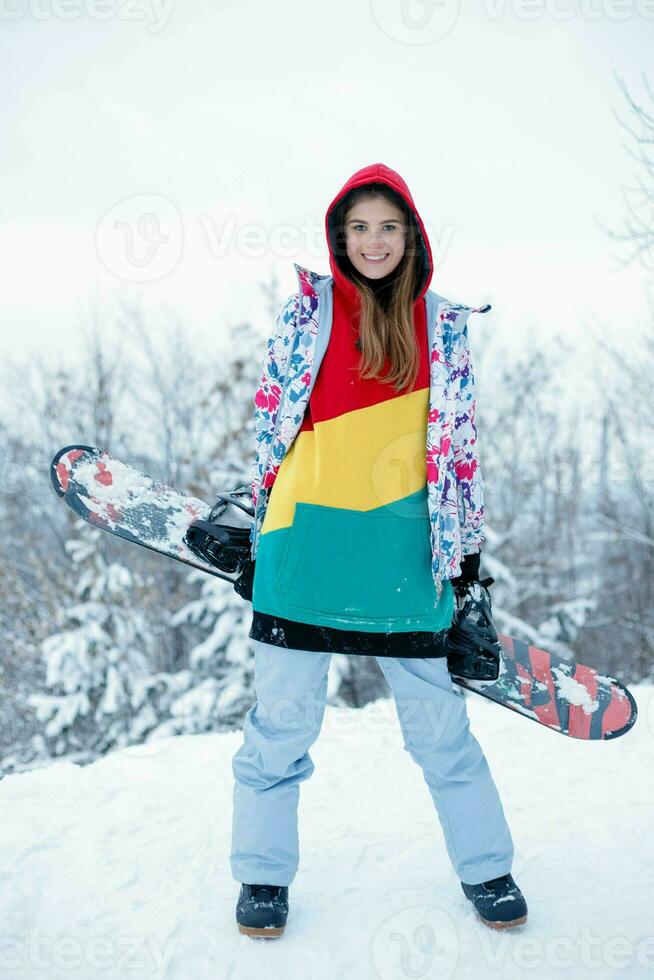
(121, 868)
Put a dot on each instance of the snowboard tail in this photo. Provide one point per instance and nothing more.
(563, 695)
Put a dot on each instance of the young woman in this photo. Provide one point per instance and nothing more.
(365, 432)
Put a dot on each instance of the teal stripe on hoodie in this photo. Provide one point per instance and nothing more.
(348, 569)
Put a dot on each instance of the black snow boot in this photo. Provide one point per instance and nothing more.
(499, 902)
(262, 910)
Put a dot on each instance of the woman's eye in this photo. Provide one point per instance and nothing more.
(387, 227)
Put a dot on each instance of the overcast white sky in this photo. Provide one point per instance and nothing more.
(138, 142)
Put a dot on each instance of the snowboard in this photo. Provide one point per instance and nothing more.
(562, 695)
(118, 498)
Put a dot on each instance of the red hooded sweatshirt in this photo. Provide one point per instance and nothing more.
(344, 558)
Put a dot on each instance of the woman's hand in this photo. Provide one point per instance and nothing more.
(469, 570)
(243, 584)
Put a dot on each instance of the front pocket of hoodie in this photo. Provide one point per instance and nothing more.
(358, 565)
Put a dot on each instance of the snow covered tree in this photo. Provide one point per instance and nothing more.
(220, 687)
(102, 691)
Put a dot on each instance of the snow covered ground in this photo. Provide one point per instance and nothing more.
(121, 868)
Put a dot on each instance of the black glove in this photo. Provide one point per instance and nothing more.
(469, 570)
(473, 648)
(243, 584)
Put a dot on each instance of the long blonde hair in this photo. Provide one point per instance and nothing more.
(385, 315)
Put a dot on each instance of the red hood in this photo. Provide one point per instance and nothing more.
(379, 173)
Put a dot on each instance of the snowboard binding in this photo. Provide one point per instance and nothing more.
(223, 538)
(473, 647)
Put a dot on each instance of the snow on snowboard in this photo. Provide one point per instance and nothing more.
(562, 695)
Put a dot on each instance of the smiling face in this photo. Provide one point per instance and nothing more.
(375, 236)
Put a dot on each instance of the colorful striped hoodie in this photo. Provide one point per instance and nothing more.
(344, 553)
